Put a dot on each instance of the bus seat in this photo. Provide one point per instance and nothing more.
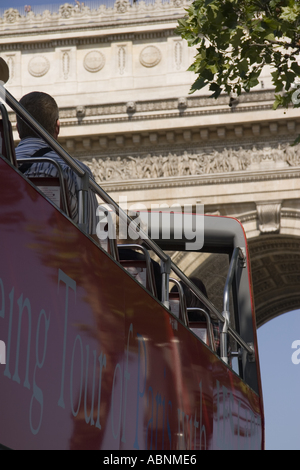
(178, 302)
(202, 327)
(200, 330)
(54, 188)
(140, 269)
(175, 304)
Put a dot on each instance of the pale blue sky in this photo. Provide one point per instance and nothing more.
(281, 381)
(21, 3)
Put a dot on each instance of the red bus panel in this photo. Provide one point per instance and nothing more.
(93, 361)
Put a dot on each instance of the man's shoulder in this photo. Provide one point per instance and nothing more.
(28, 147)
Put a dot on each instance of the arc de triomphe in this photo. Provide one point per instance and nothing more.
(119, 75)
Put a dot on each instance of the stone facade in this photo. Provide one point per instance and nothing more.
(119, 75)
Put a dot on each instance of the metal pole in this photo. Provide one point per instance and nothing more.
(226, 306)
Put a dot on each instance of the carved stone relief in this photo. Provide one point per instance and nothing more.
(38, 66)
(11, 65)
(66, 10)
(160, 165)
(66, 64)
(131, 107)
(178, 54)
(177, 3)
(94, 61)
(269, 217)
(122, 6)
(150, 56)
(11, 15)
(121, 59)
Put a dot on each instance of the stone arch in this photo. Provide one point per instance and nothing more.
(275, 262)
(275, 266)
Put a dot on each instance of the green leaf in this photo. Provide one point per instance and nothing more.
(296, 142)
(278, 101)
(198, 84)
(243, 66)
(296, 68)
(235, 39)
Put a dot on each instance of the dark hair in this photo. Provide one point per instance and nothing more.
(43, 108)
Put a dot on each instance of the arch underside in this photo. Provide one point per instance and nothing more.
(275, 263)
(275, 266)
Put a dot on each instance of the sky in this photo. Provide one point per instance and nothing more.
(22, 3)
(281, 381)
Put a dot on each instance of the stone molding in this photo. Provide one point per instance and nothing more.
(192, 105)
(19, 45)
(70, 15)
(269, 217)
(183, 109)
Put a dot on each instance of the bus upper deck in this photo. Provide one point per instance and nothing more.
(94, 358)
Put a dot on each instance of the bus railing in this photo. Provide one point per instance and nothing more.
(85, 182)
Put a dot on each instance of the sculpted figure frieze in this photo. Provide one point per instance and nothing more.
(159, 165)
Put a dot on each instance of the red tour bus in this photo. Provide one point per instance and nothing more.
(105, 351)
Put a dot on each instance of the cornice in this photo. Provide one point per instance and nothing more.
(166, 115)
(167, 108)
(18, 44)
(182, 110)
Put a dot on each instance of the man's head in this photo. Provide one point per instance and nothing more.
(44, 109)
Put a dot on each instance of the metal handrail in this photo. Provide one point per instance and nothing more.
(182, 305)
(166, 264)
(113, 249)
(211, 307)
(6, 133)
(84, 177)
(226, 305)
(208, 321)
(148, 263)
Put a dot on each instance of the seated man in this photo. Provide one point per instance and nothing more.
(45, 110)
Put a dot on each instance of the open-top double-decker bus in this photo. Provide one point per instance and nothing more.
(102, 352)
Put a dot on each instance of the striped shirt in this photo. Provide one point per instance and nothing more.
(29, 146)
